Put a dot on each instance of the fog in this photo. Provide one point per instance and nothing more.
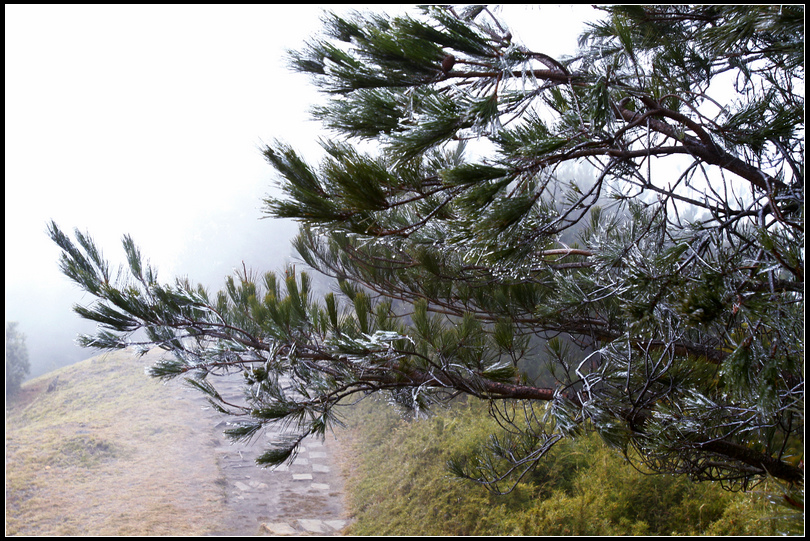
(148, 121)
(145, 120)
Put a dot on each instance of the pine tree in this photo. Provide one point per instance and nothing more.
(608, 242)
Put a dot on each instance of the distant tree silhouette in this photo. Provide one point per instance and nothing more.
(17, 365)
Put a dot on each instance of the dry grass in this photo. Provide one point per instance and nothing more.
(110, 452)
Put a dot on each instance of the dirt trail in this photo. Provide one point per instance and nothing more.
(304, 498)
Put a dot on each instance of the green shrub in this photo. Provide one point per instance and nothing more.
(401, 486)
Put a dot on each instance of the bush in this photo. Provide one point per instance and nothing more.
(401, 486)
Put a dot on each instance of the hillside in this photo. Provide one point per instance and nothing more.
(108, 452)
(580, 487)
(111, 451)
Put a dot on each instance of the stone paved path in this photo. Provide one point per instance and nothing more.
(303, 498)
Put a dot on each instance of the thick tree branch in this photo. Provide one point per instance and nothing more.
(707, 151)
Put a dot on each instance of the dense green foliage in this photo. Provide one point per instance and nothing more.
(609, 242)
(17, 365)
(580, 488)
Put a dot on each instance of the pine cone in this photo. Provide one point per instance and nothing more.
(448, 63)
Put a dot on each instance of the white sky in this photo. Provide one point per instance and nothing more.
(148, 120)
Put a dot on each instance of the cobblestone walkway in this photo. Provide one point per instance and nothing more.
(302, 498)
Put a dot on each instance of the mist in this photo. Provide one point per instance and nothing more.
(149, 121)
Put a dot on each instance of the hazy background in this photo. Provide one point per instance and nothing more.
(149, 120)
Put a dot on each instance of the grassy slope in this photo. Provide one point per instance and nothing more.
(110, 452)
(401, 487)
